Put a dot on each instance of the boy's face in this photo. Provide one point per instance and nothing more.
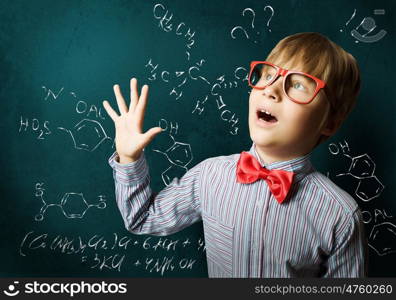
(297, 127)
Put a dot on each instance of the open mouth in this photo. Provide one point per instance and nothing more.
(266, 116)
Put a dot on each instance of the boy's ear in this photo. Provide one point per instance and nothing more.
(333, 124)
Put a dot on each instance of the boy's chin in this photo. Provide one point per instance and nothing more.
(262, 141)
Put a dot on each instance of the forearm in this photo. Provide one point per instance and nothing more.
(133, 202)
(132, 190)
(145, 212)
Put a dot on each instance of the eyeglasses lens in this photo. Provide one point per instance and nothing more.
(262, 75)
(300, 87)
(297, 86)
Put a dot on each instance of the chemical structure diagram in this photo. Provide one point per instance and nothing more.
(178, 80)
(382, 235)
(382, 238)
(73, 205)
(178, 154)
(361, 167)
(87, 135)
(225, 114)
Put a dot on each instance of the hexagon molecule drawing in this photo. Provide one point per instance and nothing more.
(87, 135)
(179, 155)
(382, 238)
(362, 167)
(73, 205)
(369, 188)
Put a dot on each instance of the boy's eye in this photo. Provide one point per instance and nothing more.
(298, 86)
(267, 77)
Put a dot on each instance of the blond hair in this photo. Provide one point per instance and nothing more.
(326, 60)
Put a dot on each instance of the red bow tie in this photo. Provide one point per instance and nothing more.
(249, 170)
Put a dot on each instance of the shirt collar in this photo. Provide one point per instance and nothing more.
(301, 166)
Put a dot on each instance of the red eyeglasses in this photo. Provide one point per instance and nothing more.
(298, 86)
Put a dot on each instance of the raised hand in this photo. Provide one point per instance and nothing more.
(129, 139)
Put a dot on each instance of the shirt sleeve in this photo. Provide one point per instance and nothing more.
(145, 212)
(350, 255)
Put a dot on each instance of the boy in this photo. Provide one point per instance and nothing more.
(266, 212)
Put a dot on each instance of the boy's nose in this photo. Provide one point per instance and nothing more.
(274, 91)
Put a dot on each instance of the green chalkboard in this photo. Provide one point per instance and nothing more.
(59, 61)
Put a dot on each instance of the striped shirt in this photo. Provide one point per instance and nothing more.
(317, 232)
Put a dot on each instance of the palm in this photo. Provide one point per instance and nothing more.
(130, 139)
(128, 135)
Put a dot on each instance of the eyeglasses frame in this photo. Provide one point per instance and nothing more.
(320, 84)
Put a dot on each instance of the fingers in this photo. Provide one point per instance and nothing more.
(120, 100)
(110, 111)
(134, 94)
(150, 134)
(141, 106)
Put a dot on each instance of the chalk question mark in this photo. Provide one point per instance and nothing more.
(253, 17)
(272, 14)
(240, 27)
(253, 14)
